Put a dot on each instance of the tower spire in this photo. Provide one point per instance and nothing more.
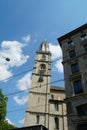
(44, 46)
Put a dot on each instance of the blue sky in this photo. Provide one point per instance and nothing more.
(24, 24)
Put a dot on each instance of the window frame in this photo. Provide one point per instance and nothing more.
(69, 107)
(85, 47)
(37, 119)
(82, 110)
(56, 106)
(72, 54)
(56, 119)
(78, 86)
(74, 67)
(70, 43)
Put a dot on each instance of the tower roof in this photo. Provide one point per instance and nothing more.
(44, 46)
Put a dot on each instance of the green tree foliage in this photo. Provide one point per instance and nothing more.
(4, 125)
(3, 101)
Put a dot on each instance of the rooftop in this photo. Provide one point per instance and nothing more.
(77, 30)
(57, 88)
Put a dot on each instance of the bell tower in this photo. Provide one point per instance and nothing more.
(39, 94)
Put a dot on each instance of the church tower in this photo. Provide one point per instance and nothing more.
(39, 94)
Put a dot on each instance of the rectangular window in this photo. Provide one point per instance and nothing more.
(69, 107)
(56, 123)
(82, 126)
(72, 54)
(85, 47)
(56, 107)
(74, 68)
(37, 119)
(82, 110)
(70, 43)
(77, 86)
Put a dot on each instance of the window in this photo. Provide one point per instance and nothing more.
(43, 68)
(85, 47)
(82, 126)
(52, 96)
(56, 123)
(69, 107)
(43, 57)
(83, 37)
(37, 119)
(77, 87)
(82, 110)
(72, 53)
(56, 106)
(74, 68)
(70, 43)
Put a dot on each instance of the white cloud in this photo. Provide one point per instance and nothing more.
(22, 100)
(56, 54)
(26, 38)
(56, 51)
(14, 51)
(24, 82)
(21, 121)
(59, 66)
(4, 73)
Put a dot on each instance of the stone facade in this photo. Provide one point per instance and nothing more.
(74, 49)
(57, 109)
(45, 104)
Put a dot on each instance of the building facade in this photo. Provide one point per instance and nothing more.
(57, 109)
(45, 104)
(74, 49)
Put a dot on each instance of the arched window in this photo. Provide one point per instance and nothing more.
(52, 96)
(42, 68)
(56, 123)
